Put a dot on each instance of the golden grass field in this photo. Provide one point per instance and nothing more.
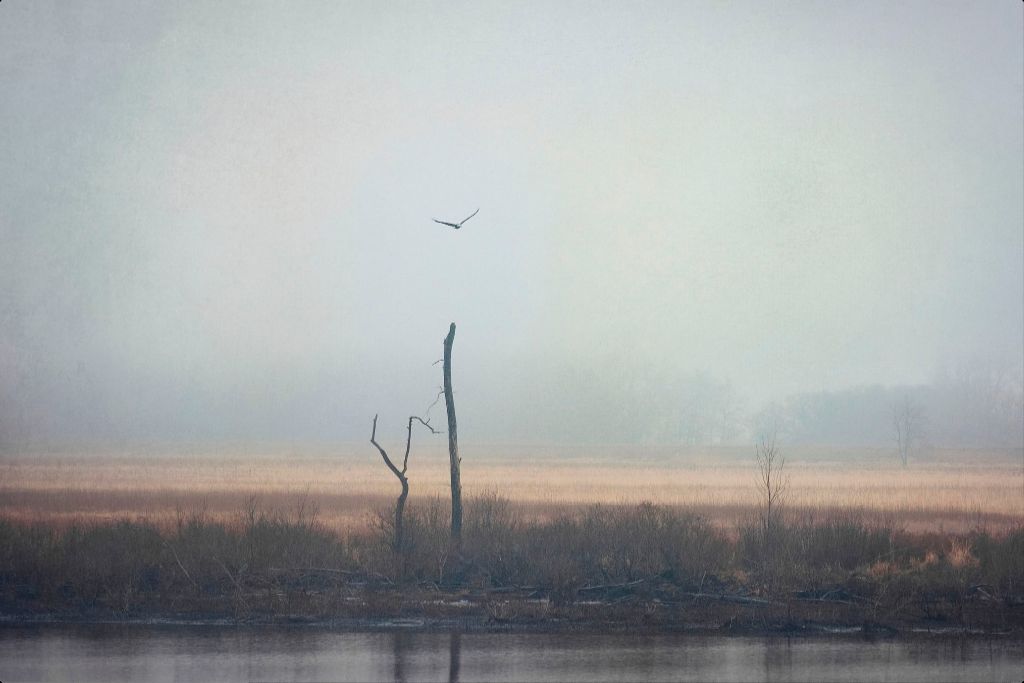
(944, 491)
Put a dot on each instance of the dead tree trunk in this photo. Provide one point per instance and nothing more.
(453, 439)
(400, 473)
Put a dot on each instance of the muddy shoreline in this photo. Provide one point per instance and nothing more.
(479, 625)
(464, 613)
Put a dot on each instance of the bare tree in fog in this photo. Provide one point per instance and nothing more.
(908, 419)
(400, 473)
(772, 484)
(454, 656)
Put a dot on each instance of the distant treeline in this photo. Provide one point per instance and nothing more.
(960, 412)
(533, 400)
(973, 406)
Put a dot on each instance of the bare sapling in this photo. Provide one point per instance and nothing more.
(772, 484)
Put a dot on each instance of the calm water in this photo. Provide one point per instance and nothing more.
(166, 653)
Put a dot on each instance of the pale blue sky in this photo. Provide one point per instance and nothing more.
(231, 202)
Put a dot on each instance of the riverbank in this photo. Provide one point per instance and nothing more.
(642, 568)
(457, 613)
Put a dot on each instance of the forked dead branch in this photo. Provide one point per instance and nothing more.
(400, 473)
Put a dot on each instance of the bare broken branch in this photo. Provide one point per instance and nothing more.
(440, 393)
(383, 453)
(408, 438)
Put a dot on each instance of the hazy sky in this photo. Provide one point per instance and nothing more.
(221, 211)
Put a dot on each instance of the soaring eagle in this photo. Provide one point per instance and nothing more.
(460, 223)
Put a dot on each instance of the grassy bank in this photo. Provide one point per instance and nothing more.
(640, 564)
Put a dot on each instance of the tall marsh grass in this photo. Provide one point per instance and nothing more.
(288, 561)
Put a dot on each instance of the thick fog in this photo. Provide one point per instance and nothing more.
(215, 218)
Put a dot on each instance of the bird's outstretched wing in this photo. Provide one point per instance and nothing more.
(469, 216)
(450, 225)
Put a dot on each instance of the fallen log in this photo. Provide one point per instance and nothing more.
(610, 586)
(741, 599)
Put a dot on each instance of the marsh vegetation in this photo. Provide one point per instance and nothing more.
(258, 540)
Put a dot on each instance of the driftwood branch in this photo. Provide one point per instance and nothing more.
(238, 586)
(611, 586)
(724, 597)
(180, 565)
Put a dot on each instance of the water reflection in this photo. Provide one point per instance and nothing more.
(400, 647)
(148, 653)
(778, 657)
(404, 646)
(454, 654)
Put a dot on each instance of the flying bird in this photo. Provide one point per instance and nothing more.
(460, 223)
